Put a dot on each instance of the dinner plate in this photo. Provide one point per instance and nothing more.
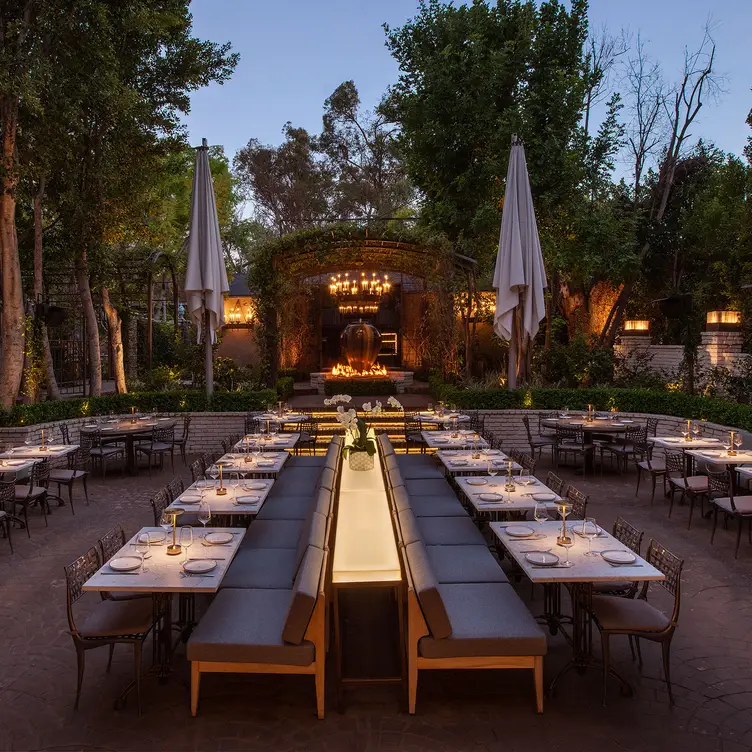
(526, 480)
(441, 441)
(713, 454)
(255, 486)
(476, 481)
(125, 563)
(164, 418)
(271, 455)
(458, 463)
(619, 557)
(113, 421)
(576, 423)
(577, 527)
(155, 537)
(190, 499)
(15, 463)
(108, 429)
(542, 558)
(205, 484)
(90, 425)
(265, 463)
(618, 425)
(247, 499)
(625, 422)
(519, 531)
(218, 538)
(543, 497)
(284, 435)
(492, 452)
(199, 566)
(145, 417)
(490, 497)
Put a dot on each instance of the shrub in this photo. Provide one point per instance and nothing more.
(285, 386)
(359, 387)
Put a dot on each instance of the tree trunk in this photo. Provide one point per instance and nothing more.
(131, 349)
(53, 391)
(11, 364)
(92, 328)
(116, 335)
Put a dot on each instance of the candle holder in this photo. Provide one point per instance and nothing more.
(732, 451)
(689, 430)
(174, 548)
(43, 447)
(221, 491)
(563, 539)
(509, 486)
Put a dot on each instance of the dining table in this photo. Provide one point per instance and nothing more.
(433, 417)
(680, 443)
(265, 464)
(200, 569)
(244, 497)
(468, 462)
(267, 440)
(492, 502)
(284, 418)
(34, 452)
(723, 458)
(453, 439)
(535, 550)
(127, 431)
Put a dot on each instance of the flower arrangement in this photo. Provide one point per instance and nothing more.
(395, 403)
(356, 425)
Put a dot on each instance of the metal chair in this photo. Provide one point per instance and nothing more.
(528, 464)
(160, 444)
(636, 618)
(226, 445)
(102, 453)
(35, 494)
(109, 544)
(412, 433)
(549, 431)
(198, 470)
(79, 466)
(252, 424)
(159, 502)
(540, 442)
(174, 488)
(572, 440)
(578, 501)
(7, 497)
(555, 483)
(65, 433)
(111, 623)
(723, 499)
(652, 426)
(635, 437)
(692, 486)
(182, 441)
(631, 537)
(645, 463)
(309, 432)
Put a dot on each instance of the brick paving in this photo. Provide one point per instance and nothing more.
(479, 711)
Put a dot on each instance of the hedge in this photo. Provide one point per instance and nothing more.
(681, 405)
(359, 387)
(172, 402)
(285, 387)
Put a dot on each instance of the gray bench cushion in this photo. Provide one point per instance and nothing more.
(261, 568)
(323, 502)
(418, 467)
(286, 508)
(312, 534)
(449, 531)
(307, 460)
(295, 481)
(305, 592)
(401, 499)
(455, 564)
(326, 479)
(427, 590)
(245, 626)
(390, 461)
(395, 478)
(486, 619)
(409, 527)
(273, 534)
(427, 486)
(332, 455)
(386, 445)
(438, 506)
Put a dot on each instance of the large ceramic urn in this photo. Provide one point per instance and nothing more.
(361, 344)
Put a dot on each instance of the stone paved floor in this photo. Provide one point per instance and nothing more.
(479, 711)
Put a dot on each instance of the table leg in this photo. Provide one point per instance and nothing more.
(130, 455)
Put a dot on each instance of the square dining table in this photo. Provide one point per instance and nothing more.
(452, 440)
(268, 442)
(283, 419)
(458, 462)
(37, 452)
(268, 463)
(679, 443)
(521, 500)
(723, 458)
(244, 497)
(579, 578)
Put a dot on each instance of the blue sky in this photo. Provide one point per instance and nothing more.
(294, 53)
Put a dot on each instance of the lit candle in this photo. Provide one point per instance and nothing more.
(43, 437)
(689, 430)
(133, 410)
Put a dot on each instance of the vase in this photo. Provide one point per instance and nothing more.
(360, 460)
(361, 344)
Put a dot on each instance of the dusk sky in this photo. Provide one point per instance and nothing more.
(294, 53)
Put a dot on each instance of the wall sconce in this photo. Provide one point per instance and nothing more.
(723, 321)
(637, 328)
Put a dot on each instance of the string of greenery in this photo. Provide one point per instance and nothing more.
(118, 404)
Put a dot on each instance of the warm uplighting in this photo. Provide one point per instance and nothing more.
(358, 309)
(363, 286)
(347, 372)
(636, 326)
(723, 320)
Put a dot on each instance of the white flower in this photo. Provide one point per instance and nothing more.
(377, 409)
(340, 409)
(367, 407)
(395, 403)
(327, 402)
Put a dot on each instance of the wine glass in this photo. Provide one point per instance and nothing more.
(142, 548)
(429, 407)
(204, 513)
(566, 545)
(696, 430)
(540, 513)
(492, 470)
(186, 539)
(213, 472)
(737, 441)
(590, 531)
(166, 522)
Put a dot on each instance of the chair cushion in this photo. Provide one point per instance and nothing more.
(438, 506)
(285, 508)
(427, 486)
(27, 492)
(273, 534)
(245, 626)
(409, 527)
(391, 462)
(305, 591)
(312, 534)
(427, 590)
(614, 613)
(386, 444)
(326, 479)
(449, 531)
(157, 446)
(456, 564)
(743, 504)
(115, 618)
(694, 483)
(261, 568)
(395, 478)
(611, 587)
(542, 441)
(66, 476)
(654, 466)
(332, 456)
(106, 452)
(323, 502)
(487, 619)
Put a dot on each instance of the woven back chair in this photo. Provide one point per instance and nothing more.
(159, 502)
(225, 445)
(631, 537)
(578, 501)
(79, 467)
(7, 498)
(309, 433)
(546, 430)
(412, 432)
(174, 488)
(198, 470)
(628, 534)
(516, 455)
(181, 442)
(723, 499)
(252, 424)
(65, 433)
(162, 443)
(111, 542)
(528, 464)
(652, 426)
(555, 483)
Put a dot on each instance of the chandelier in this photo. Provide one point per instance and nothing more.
(359, 295)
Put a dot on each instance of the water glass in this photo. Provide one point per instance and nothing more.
(737, 440)
(166, 522)
(492, 468)
(590, 531)
(186, 539)
(204, 513)
(142, 548)
(540, 513)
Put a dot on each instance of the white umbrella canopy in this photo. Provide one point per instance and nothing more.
(205, 274)
(519, 276)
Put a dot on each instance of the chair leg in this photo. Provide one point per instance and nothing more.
(652, 495)
(538, 674)
(639, 478)
(319, 673)
(112, 651)
(195, 686)
(666, 648)
(70, 496)
(691, 510)
(86, 490)
(137, 647)
(715, 523)
(81, 659)
(739, 537)
(639, 651)
(605, 657)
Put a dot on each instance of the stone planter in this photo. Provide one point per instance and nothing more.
(360, 460)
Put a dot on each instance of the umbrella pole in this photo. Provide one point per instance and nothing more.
(512, 360)
(208, 358)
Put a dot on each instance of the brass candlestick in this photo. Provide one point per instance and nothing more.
(221, 491)
(732, 451)
(509, 483)
(175, 548)
(563, 539)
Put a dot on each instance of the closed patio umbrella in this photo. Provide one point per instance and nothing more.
(205, 274)
(519, 276)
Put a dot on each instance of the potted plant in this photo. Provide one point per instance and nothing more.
(361, 450)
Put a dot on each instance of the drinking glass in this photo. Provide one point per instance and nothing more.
(213, 472)
(540, 513)
(204, 513)
(430, 407)
(566, 546)
(9, 450)
(696, 430)
(186, 539)
(27, 441)
(590, 531)
(737, 441)
(142, 548)
(492, 469)
(166, 522)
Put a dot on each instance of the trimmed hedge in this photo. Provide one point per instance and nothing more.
(285, 386)
(172, 402)
(681, 405)
(359, 387)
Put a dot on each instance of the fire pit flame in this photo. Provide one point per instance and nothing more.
(348, 372)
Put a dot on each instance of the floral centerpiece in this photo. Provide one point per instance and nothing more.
(361, 450)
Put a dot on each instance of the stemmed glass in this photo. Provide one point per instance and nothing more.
(566, 545)
(166, 521)
(213, 472)
(204, 513)
(696, 430)
(492, 470)
(540, 513)
(186, 540)
(737, 441)
(590, 531)
(142, 548)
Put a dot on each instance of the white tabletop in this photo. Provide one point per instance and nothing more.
(164, 572)
(679, 442)
(745, 472)
(439, 439)
(460, 461)
(266, 463)
(228, 503)
(36, 452)
(585, 569)
(280, 441)
(445, 418)
(14, 465)
(721, 456)
(519, 500)
(598, 425)
(286, 418)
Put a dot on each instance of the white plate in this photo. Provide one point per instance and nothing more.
(618, 425)
(15, 463)
(490, 497)
(146, 417)
(625, 422)
(284, 435)
(458, 463)
(108, 429)
(576, 528)
(247, 499)
(476, 481)
(205, 484)
(164, 418)
(218, 538)
(156, 536)
(199, 566)
(257, 486)
(619, 557)
(714, 454)
(576, 423)
(125, 563)
(113, 421)
(266, 463)
(440, 441)
(519, 531)
(224, 463)
(542, 558)
(90, 425)
(492, 452)
(270, 455)
(526, 480)
(190, 498)
(543, 497)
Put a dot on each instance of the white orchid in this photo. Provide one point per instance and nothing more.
(377, 408)
(395, 403)
(367, 407)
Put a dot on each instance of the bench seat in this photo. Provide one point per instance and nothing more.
(263, 568)
(437, 506)
(272, 534)
(461, 564)
(295, 481)
(308, 460)
(449, 531)
(418, 467)
(427, 487)
(286, 508)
